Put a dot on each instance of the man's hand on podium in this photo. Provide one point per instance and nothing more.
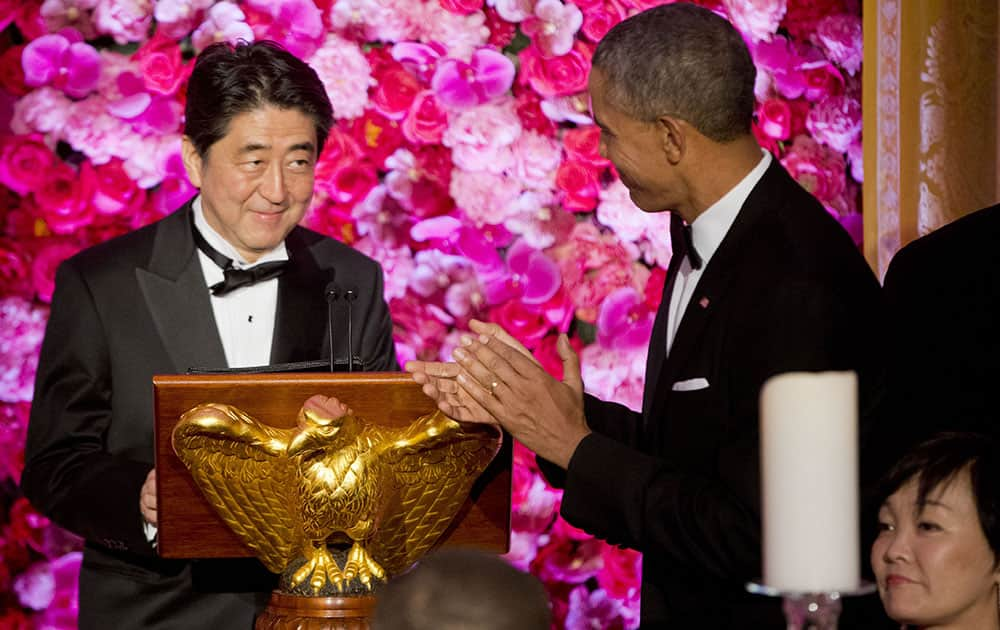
(147, 498)
(496, 379)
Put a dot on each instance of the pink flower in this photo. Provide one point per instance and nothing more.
(650, 231)
(596, 609)
(346, 74)
(47, 260)
(418, 328)
(59, 14)
(461, 85)
(533, 277)
(13, 431)
(379, 20)
(822, 80)
(94, 131)
(36, 588)
(420, 59)
(64, 199)
(818, 169)
(501, 31)
(583, 145)
(15, 263)
(624, 321)
(758, 19)
(225, 22)
(464, 34)
(426, 120)
(548, 355)
(295, 24)
(593, 265)
(536, 158)
(512, 10)
(24, 163)
(840, 38)
(616, 375)
(622, 573)
(116, 192)
(12, 71)
(556, 76)
(553, 26)
(578, 185)
(537, 503)
(529, 111)
(538, 219)
(124, 20)
(461, 7)
(22, 325)
(835, 121)
(523, 549)
(804, 15)
(62, 611)
(395, 91)
(63, 60)
(524, 322)
(176, 18)
(775, 118)
(568, 560)
(480, 138)
(382, 218)
(598, 20)
(160, 65)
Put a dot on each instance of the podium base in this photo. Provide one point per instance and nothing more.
(294, 612)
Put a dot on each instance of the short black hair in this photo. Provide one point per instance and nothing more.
(680, 60)
(939, 460)
(455, 589)
(228, 80)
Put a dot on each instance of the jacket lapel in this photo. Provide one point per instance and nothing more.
(300, 323)
(710, 294)
(177, 297)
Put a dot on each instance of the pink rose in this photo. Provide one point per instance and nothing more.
(25, 162)
(622, 572)
(64, 198)
(116, 192)
(578, 184)
(556, 76)
(353, 182)
(818, 169)
(45, 263)
(599, 19)
(757, 19)
(568, 560)
(775, 118)
(840, 37)
(160, 61)
(15, 265)
(525, 323)
(529, 112)
(395, 91)
(378, 136)
(822, 81)
(426, 120)
(501, 31)
(584, 144)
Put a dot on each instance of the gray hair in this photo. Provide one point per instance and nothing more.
(680, 60)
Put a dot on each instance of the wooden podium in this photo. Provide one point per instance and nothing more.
(385, 399)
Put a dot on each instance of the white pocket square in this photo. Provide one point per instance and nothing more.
(690, 385)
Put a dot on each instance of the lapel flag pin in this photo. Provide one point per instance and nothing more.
(703, 302)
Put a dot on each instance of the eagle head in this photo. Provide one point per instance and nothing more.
(320, 419)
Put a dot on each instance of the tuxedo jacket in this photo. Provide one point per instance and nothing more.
(123, 311)
(942, 296)
(786, 290)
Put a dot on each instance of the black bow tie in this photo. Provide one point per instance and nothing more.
(235, 278)
(681, 242)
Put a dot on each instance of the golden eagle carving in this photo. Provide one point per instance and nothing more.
(333, 479)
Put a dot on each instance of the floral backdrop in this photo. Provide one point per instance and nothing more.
(463, 159)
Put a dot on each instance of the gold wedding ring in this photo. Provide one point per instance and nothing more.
(493, 387)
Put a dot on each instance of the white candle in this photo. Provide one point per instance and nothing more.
(809, 481)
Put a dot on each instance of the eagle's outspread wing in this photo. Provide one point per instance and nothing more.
(240, 466)
(434, 461)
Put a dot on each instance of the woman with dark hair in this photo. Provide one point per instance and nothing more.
(935, 558)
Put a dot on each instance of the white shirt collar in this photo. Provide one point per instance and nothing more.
(711, 226)
(225, 248)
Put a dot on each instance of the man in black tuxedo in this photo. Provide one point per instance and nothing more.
(942, 295)
(763, 281)
(228, 280)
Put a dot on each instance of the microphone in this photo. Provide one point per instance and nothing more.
(331, 297)
(350, 296)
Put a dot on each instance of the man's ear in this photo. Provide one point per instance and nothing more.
(673, 137)
(192, 161)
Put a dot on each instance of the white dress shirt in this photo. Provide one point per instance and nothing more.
(707, 233)
(245, 317)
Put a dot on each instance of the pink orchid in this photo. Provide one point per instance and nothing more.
(420, 59)
(533, 277)
(553, 26)
(590, 609)
(624, 321)
(295, 24)
(63, 60)
(461, 85)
